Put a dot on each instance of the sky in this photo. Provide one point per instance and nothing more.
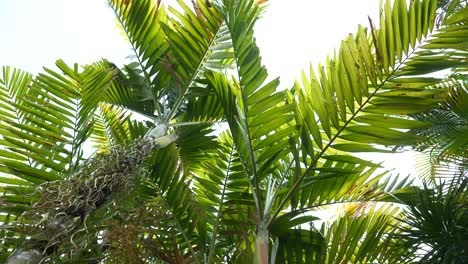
(291, 35)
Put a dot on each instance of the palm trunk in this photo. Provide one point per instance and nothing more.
(261, 245)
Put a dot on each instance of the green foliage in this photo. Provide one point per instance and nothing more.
(254, 191)
(436, 223)
(365, 235)
(445, 139)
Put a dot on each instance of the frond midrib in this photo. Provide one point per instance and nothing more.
(195, 74)
(220, 207)
(389, 77)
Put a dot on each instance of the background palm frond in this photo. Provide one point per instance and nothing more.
(436, 223)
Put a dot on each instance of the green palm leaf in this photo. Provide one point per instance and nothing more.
(52, 126)
(253, 109)
(199, 42)
(369, 75)
(436, 223)
(141, 21)
(128, 89)
(170, 183)
(173, 50)
(296, 244)
(223, 192)
(369, 238)
(111, 127)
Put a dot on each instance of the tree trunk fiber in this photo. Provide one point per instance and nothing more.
(126, 162)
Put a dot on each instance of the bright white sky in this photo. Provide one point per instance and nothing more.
(291, 34)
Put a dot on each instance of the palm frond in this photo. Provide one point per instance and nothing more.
(436, 223)
(446, 136)
(174, 48)
(26, 136)
(431, 169)
(254, 110)
(199, 42)
(196, 144)
(111, 127)
(296, 244)
(258, 186)
(374, 77)
(55, 119)
(128, 89)
(358, 238)
(170, 184)
(142, 23)
(223, 192)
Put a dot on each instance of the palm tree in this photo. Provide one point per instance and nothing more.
(166, 187)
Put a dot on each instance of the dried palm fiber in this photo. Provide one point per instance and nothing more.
(64, 205)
